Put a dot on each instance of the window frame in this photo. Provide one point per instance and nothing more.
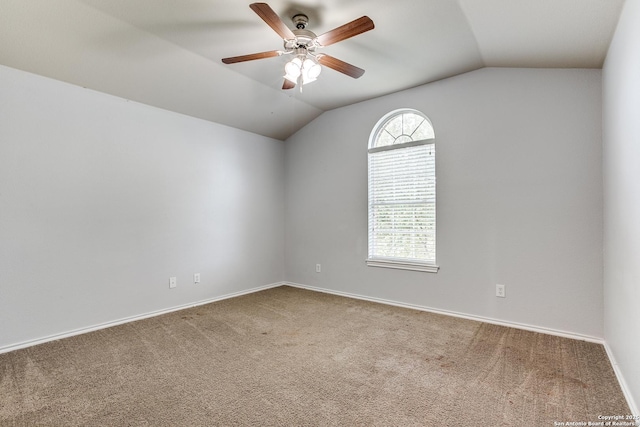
(390, 262)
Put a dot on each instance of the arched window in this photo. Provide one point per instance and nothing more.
(402, 192)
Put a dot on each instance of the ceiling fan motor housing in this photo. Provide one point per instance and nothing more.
(304, 38)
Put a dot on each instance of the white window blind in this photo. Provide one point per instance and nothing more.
(402, 202)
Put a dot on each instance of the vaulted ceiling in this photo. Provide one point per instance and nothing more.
(167, 53)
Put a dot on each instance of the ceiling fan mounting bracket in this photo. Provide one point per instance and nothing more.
(300, 21)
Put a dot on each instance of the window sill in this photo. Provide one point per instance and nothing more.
(403, 265)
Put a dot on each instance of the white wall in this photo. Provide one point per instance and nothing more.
(519, 169)
(621, 108)
(102, 200)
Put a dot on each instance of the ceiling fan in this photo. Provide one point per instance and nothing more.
(302, 44)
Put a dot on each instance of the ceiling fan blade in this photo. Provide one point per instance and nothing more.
(267, 14)
(288, 84)
(340, 66)
(346, 31)
(251, 57)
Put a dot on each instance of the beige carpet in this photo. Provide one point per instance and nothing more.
(293, 357)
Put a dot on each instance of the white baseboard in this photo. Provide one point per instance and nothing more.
(29, 343)
(623, 384)
(548, 331)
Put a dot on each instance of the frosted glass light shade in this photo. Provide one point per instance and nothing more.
(309, 70)
(293, 69)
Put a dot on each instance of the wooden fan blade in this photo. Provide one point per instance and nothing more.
(251, 57)
(346, 31)
(267, 14)
(288, 84)
(341, 66)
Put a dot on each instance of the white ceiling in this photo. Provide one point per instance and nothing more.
(167, 53)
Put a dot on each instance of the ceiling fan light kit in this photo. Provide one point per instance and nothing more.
(299, 71)
(305, 67)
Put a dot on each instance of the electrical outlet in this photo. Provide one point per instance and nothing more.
(318, 268)
(173, 282)
(500, 291)
(196, 278)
